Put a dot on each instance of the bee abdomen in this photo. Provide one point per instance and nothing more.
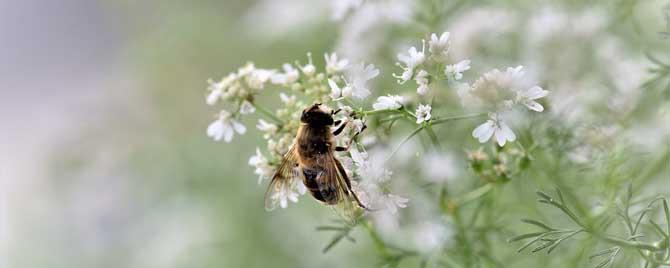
(322, 193)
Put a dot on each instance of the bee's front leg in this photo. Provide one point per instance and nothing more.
(344, 149)
(340, 128)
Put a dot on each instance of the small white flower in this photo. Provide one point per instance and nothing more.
(289, 76)
(333, 65)
(504, 89)
(337, 93)
(247, 108)
(390, 102)
(421, 79)
(495, 126)
(215, 94)
(288, 192)
(284, 195)
(455, 71)
(266, 127)
(359, 75)
(246, 69)
(439, 46)
(257, 78)
(225, 127)
(412, 59)
(309, 69)
(372, 169)
(423, 113)
(528, 97)
(287, 100)
(392, 202)
(263, 168)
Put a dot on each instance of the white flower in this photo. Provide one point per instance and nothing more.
(374, 198)
(289, 76)
(421, 79)
(412, 59)
(495, 126)
(225, 127)
(288, 192)
(247, 108)
(263, 168)
(423, 113)
(309, 69)
(266, 127)
(371, 169)
(455, 71)
(439, 46)
(257, 78)
(390, 102)
(392, 202)
(359, 75)
(504, 89)
(337, 93)
(333, 65)
(287, 100)
(215, 91)
(528, 97)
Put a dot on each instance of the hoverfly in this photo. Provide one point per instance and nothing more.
(312, 160)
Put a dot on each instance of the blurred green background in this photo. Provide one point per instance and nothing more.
(106, 163)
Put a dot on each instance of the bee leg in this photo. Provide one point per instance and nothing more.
(340, 128)
(344, 149)
(340, 168)
(334, 112)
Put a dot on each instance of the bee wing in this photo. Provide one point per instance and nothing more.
(334, 180)
(287, 171)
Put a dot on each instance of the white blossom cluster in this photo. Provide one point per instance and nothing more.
(340, 83)
(496, 91)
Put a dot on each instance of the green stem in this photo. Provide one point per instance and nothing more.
(269, 114)
(376, 239)
(416, 131)
(454, 118)
(474, 194)
(433, 137)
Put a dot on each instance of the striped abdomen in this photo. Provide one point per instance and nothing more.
(313, 179)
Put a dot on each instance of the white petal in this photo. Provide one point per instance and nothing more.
(504, 133)
(283, 203)
(333, 85)
(533, 105)
(239, 128)
(215, 130)
(228, 134)
(536, 92)
(484, 131)
(213, 97)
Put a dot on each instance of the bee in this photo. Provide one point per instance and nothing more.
(311, 159)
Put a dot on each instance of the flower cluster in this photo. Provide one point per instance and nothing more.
(338, 83)
(501, 91)
(421, 65)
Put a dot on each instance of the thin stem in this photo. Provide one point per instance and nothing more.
(458, 117)
(433, 137)
(269, 114)
(474, 194)
(377, 241)
(416, 131)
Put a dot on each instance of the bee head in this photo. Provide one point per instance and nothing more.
(315, 115)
